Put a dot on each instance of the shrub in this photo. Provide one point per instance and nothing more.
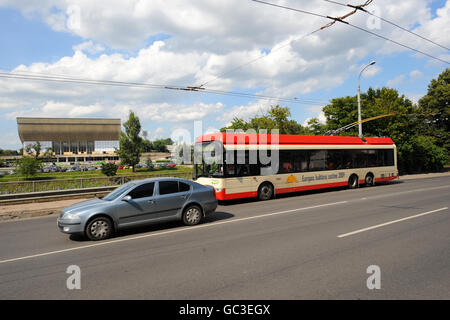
(28, 166)
(109, 169)
(421, 154)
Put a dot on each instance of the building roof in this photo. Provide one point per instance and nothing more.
(68, 129)
(243, 138)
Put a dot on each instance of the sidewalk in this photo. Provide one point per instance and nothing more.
(29, 210)
(425, 175)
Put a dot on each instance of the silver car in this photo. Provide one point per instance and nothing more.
(138, 203)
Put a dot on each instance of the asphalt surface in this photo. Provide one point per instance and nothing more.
(297, 246)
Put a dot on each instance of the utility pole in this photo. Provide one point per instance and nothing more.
(359, 100)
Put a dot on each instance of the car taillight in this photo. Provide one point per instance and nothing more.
(214, 191)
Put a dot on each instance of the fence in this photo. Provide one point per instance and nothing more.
(78, 183)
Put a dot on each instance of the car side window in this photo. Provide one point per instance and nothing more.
(184, 187)
(142, 191)
(168, 187)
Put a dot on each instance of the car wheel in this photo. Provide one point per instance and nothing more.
(369, 180)
(265, 191)
(99, 228)
(192, 215)
(353, 181)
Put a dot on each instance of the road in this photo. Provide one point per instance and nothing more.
(314, 245)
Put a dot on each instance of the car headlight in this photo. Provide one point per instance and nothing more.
(70, 216)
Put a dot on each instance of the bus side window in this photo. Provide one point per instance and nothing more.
(348, 159)
(286, 161)
(372, 158)
(300, 163)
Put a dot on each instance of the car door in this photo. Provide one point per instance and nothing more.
(172, 196)
(140, 208)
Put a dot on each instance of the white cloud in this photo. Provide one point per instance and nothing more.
(414, 97)
(245, 111)
(89, 46)
(371, 71)
(415, 74)
(59, 109)
(396, 81)
(321, 117)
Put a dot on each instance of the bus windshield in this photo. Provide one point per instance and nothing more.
(208, 159)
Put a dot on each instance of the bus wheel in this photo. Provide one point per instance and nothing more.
(353, 181)
(265, 191)
(369, 180)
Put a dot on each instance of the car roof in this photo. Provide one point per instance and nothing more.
(140, 181)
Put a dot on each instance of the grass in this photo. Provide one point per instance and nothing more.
(91, 179)
(91, 174)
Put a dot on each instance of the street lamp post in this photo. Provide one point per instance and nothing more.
(359, 100)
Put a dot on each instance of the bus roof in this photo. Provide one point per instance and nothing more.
(244, 138)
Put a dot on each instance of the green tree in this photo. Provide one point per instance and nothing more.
(149, 164)
(160, 146)
(434, 109)
(275, 118)
(35, 148)
(315, 127)
(10, 152)
(109, 169)
(147, 146)
(131, 144)
(421, 154)
(344, 111)
(28, 166)
(418, 151)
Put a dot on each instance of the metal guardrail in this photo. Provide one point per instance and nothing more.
(35, 186)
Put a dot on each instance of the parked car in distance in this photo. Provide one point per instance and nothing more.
(137, 203)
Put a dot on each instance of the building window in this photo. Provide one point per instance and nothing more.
(65, 146)
(56, 146)
(90, 147)
(106, 146)
(82, 146)
(74, 147)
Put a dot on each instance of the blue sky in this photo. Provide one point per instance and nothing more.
(165, 51)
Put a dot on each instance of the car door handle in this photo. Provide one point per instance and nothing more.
(151, 201)
(183, 197)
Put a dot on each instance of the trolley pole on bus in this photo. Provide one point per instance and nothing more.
(359, 100)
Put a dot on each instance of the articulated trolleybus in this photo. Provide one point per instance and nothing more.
(240, 165)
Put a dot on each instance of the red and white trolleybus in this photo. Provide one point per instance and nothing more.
(240, 166)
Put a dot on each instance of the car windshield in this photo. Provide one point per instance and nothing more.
(118, 191)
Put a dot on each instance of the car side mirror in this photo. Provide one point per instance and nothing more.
(126, 198)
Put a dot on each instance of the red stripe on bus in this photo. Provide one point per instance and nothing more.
(385, 179)
(239, 195)
(311, 187)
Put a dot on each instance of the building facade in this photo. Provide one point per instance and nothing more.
(72, 139)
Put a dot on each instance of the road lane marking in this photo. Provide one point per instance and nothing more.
(390, 222)
(401, 192)
(170, 231)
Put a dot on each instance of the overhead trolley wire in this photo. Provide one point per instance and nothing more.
(67, 79)
(339, 19)
(387, 21)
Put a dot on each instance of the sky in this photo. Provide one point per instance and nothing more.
(187, 43)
